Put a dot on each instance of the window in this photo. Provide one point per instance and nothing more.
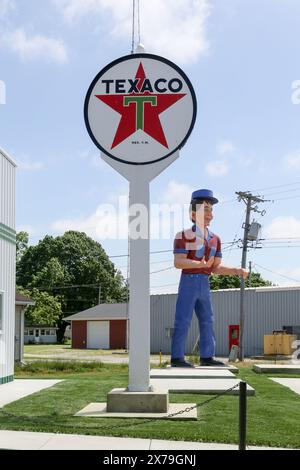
(31, 333)
(47, 332)
(1, 311)
(53, 332)
(25, 332)
(42, 332)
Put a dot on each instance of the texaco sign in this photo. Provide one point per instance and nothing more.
(140, 109)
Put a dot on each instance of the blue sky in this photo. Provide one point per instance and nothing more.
(242, 58)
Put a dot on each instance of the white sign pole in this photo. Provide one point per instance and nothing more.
(139, 177)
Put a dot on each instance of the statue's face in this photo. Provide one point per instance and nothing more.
(208, 213)
(204, 214)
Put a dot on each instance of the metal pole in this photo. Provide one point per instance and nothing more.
(250, 271)
(242, 415)
(242, 292)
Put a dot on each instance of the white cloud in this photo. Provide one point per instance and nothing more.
(293, 160)
(174, 29)
(217, 168)
(93, 159)
(5, 7)
(225, 147)
(29, 165)
(110, 220)
(27, 228)
(107, 222)
(283, 227)
(35, 47)
(177, 193)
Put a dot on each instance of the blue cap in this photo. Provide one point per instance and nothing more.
(205, 194)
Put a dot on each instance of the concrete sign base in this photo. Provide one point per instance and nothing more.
(99, 410)
(121, 400)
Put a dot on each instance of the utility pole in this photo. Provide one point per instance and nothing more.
(248, 199)
(250, 272)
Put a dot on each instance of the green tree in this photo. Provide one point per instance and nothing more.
(73, 267)
(233, 282)
(46, 311)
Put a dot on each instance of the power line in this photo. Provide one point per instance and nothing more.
(165, 269)
(277, 186)
(279, 274)
(281, 192)
(284, 198)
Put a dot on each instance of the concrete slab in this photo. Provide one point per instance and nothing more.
(229, 367)
(21, 388)
(182, 445)
(187, 373)
(98, 410)
(21, 440)
(203, 386)
(292, 384)
(276, 368)
(62, 442)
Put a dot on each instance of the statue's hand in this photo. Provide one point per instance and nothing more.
(206, 264)
(242, 272)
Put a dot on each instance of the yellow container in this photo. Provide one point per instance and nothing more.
(269, 344)
(280, 343)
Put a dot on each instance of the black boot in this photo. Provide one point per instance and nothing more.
(210, 361)
(180, 363)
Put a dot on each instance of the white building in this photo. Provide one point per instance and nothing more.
(7, 267)
(40, 334)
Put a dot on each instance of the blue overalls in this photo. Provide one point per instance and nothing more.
(194, 294)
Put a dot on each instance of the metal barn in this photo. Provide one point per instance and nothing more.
(267, 309)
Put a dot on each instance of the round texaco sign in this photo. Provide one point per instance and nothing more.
(140, 109)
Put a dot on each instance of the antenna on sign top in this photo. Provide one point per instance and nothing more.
(133, 33)
(139, 22)
(140, 47)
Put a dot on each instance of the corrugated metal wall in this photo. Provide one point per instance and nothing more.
(7, 266)
(266, 310)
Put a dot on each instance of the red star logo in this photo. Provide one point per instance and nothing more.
(140, 110)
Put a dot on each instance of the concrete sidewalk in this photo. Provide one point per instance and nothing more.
(21, 440)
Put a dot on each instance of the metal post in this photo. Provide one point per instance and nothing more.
(242, 294)
(250, 272)
(242, 415)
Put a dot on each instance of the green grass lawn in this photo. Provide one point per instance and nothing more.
(50, 349)
(273, 414)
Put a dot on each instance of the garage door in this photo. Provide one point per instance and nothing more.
(98, 335)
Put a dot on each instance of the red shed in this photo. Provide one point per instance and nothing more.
(101, 327)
